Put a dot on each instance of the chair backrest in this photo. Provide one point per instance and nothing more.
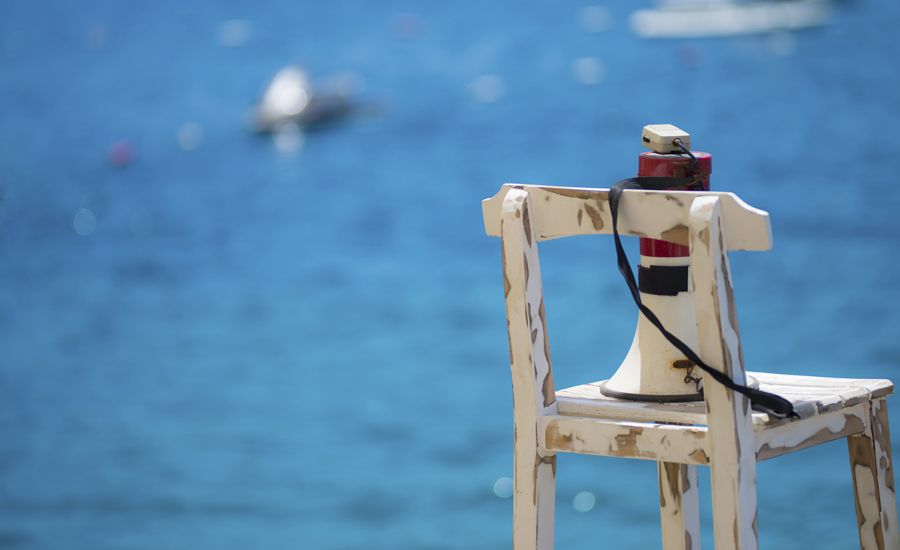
(568, 211)
(710, 223)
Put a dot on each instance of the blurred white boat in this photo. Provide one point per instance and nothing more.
(291, 100)
(693, 19)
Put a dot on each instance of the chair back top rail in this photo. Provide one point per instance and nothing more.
(567, 211)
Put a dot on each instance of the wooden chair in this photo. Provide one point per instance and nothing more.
(724, 433)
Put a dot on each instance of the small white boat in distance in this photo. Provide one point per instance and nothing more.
(290, 99)
(693, 19)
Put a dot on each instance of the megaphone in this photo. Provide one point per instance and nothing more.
(653, 369)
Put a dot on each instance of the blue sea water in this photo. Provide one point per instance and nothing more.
(236, 347)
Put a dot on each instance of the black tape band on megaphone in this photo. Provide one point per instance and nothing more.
(761, 400)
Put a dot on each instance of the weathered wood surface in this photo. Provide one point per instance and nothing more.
(679, 506)
(688, 444)
(644, 440)
(587, 400)
(779, 439)
(878, 387)
(731, 441)
(564, 211)
(872, 468)
(811, 395)
(881, 437)
(534, 476)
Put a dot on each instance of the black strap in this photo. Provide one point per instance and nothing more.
(761, 400)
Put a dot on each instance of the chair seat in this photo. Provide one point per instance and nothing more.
(810, 395)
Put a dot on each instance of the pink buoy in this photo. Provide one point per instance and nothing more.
(120, 153)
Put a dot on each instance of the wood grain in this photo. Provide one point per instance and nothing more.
(567, 211)
(534, 471)
(679, 506)
(871, 465)
(731, 445)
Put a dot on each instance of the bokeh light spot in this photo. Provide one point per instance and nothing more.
(587, 70)
(584, 502)
(84, 222)
(288, 138)
(487, 88)
(595, 18)
(96, 37)
(503, 487)
(406, 26)
(189, 136)
(234, 33)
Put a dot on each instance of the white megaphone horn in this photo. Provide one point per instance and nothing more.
(653, 369)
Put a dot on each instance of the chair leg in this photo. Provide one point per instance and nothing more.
(734, 503)
(873, 482)
(533, 500)
(679, 506)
